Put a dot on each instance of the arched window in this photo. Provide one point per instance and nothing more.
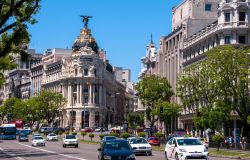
(97, 119)
(72, 118)
(75, 71)
(86, 72)
(85, 119)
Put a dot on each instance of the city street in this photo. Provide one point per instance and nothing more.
(14, 150)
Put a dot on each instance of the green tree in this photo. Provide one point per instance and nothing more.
(218, 139)
(135, 119)
(14, 108)
(166, 111)
(49, 103)
(125, 135)
(16, 16)
(153, 90)
(83, 134)
(219, 84)
(91, 136)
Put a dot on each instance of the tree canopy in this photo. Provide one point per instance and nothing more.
(153, 91)
(15, 17)
(43, 107)
(218, 86)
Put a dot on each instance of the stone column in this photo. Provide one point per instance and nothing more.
(100, 95)
(69, 102)
(77, 93)
(234, 38)
(78, 120)
(90, 94)
(92, 119)
(81, 93)
(94, 93)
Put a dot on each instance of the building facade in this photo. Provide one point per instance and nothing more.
(17, 81)
(87, 81)
(230, 27)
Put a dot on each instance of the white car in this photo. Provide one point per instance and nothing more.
(70, 140)
(140, 146)
(38, 141)
(52, 137)
(182, 148)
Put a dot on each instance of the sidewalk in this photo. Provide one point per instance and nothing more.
(228, 153)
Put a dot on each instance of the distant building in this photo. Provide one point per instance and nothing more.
(123, 76)
(17, 81)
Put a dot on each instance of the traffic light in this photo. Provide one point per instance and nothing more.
(161, 109)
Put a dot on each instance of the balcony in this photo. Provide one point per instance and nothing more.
(201, 34)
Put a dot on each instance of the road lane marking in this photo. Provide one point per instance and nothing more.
(44, 150)
(11, 154)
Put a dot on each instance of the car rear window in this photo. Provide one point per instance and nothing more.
(116, 145)
(70, 137)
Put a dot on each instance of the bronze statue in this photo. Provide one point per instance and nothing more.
(85, 20)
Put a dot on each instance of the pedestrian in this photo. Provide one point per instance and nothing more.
(231, 141)
(227, 142)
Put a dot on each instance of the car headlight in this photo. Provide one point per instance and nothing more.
(205, 150)
(182, 150)
(106, 157)
(134, 147)
(131, 156)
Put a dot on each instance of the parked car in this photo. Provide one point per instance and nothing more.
(87, 129)
(56, 130)
(140, 146)
(70, 140)
(116, 149)
(38, 141)
(23, 137)
(185, 148)
(52, 137)
(100, 129)
(154, 141)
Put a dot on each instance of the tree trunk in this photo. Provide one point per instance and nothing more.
(218, 146)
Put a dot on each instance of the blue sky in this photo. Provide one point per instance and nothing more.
(121, 27)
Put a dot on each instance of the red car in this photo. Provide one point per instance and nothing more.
(87, 129)
(154, 141)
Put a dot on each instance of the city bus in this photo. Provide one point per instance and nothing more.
(8, 131)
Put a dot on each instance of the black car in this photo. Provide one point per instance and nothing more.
(116, 150)
(23, 137)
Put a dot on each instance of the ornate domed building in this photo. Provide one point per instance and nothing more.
(86, 80)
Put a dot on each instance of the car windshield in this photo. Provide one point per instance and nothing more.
(110, 138)
(70, 137)
(185, 142)
(138, 141)
(23, 135)
(38, 138)
(116, 145)
(52, 135)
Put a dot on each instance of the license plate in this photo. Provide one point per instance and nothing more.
(196, 155)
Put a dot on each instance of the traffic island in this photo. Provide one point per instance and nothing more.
(229, 154)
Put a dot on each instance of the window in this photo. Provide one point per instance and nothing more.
(242, 16)
(75, 72)
(208, 7)
(227, 17)
(242, 39)
(86, 72)
(227, 39)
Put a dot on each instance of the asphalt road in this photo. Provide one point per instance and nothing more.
(14, 150)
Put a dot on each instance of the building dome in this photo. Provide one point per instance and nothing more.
(85, 40)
